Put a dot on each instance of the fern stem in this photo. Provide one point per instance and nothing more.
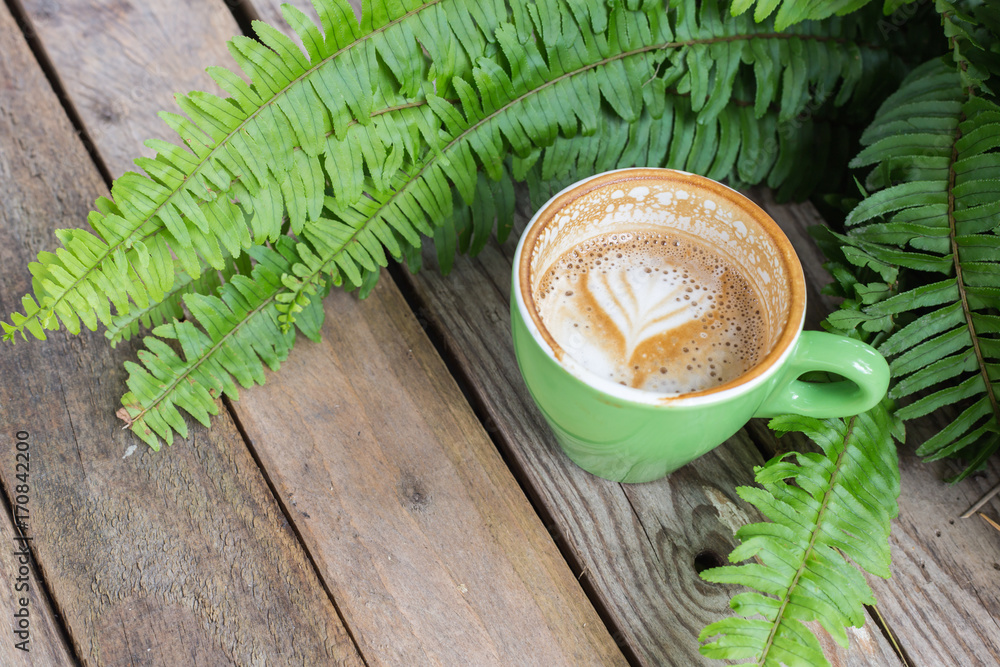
(966, 310)
(166, 391)
(827, 495)
(123, 322)
(953, 237)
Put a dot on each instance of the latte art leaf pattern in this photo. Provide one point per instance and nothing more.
(654, 312)
(642, 304)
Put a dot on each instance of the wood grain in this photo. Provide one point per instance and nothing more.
(181, 557)
(943, 600)
(636, 545)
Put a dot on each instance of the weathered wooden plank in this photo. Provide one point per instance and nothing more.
(178, 558)
(21, 595)
(942, 602)
(426, 542)
(636, 544)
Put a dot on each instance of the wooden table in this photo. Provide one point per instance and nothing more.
(392, 496)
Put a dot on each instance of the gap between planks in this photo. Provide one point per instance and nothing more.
(227, 405)
(42, 58)
(244, 14)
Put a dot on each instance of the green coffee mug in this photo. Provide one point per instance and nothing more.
(627, 434)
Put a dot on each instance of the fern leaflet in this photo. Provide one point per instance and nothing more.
(838, 502)
(240, 330)
(934, 216)
(124, 327)
(794, 11)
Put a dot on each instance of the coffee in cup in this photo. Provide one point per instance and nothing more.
(654, 312)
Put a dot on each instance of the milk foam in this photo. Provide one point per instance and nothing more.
(658, 312)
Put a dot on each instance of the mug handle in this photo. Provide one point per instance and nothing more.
(866, 373)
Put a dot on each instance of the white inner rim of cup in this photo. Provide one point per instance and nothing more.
(685, 204)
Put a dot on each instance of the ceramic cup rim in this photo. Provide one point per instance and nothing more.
(746, 382)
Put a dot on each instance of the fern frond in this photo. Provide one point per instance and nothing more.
(503, 114)
(357, 104)
(739, 125)
(249, 322)
(935, 155)
(517, 108)
(735, 146)
(550, 110)
(240, 331)
(259, 151)
(822, 508)
(359, 171)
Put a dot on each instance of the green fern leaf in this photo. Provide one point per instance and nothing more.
(523, 108)
(259, 160)
(240, 331)
(932, 218)
(250, 322)
(822, 508)
(528, 108)
(124, 327)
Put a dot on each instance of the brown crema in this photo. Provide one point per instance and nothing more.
(651, 310)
